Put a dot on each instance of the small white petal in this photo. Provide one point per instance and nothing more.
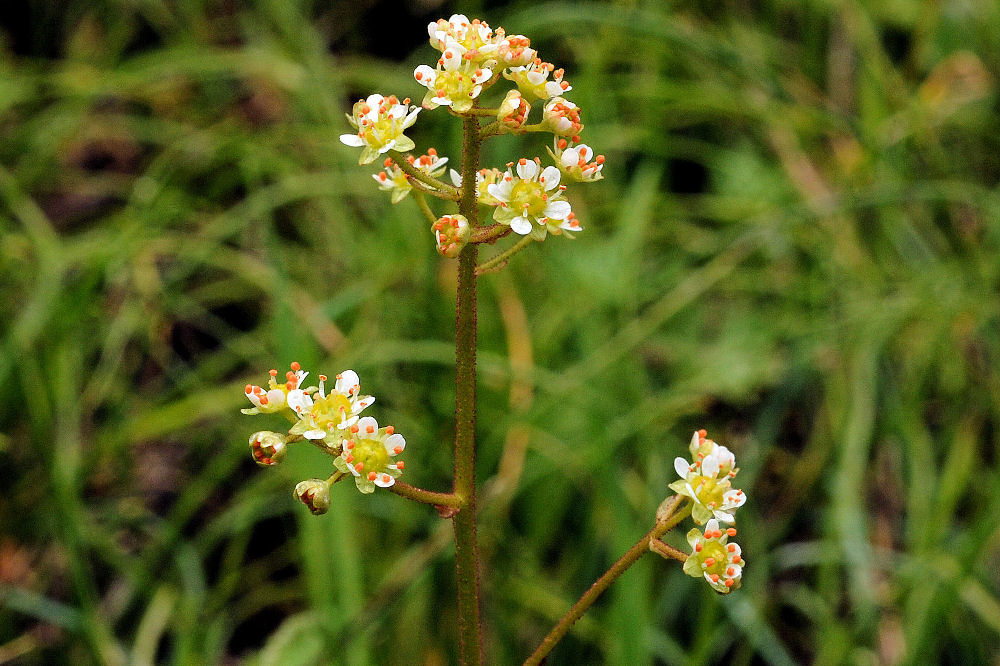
(499, 191)
(314, 434)
(456, 177)
(365, 423)
(392, 441)
(298, 400)
(551, 176)
(681, 467)
(557, 210)
(710, 467)
(535, 77)
(528, 170)
(521, 225)
(383, 480)
(723, 516)
(711, 525)
(346, 381)
(352, 140)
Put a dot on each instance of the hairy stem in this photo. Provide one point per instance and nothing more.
(466, 547)
(666, 520)
(426, 496)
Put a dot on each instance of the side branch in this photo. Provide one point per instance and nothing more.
(426, 496)
(666, 520)
(438, 187)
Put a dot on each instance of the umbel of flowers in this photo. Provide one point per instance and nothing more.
(331, 420)
(501, 80)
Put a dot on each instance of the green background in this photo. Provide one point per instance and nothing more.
(795, 247)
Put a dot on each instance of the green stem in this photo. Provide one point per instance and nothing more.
(425, 209)
(499, 261)
(426, 496)
(666, 520)
(439, 188)
(466, 547)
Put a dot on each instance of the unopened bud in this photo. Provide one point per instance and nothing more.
(315, 494)
(513, 111)
(268, 448)
(451, 233)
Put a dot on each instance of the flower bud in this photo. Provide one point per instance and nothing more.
(451, 233)
(513, 111)
(562, 118)
(267, 448)
(315, 494)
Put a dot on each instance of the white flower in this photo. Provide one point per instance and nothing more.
(532, 202)
(707, 481)
(456, 82)
(393, 179)
(380, 123)
(720, 563)
(475, 37)
(321, 417)
(575, 162)
(275, 397)
(532, 80)
(368, 454)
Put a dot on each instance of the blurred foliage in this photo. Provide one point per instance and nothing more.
(796, 247)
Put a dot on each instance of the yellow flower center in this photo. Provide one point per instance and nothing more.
(709, 491)
(717, 552)
(371, 454)
(527, 196)
(328, 412)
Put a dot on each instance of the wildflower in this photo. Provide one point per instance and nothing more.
(380, 122)
(484, 178)
(513, 111)
(394, 180)
(275, 398)
(451, 233)
(321, 417)
(532, 79)
(267, 448)
(474, 37)
(456, 82)
(532, 201)
(368, 452)
(562, 118)
(315, 494)
(719, 562)
(707, 481)
(575, 162)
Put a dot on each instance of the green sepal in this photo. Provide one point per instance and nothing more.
(250, 410)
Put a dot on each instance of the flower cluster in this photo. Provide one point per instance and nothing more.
(707, 482)
(527, 198)
(330, 418)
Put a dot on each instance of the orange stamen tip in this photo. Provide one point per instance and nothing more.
(354, 428)
(272, 372)
(370, 429)
(371, 476)
(359, 466)
(399, 465)
(729, 582)
(295, 366)
(397, 450)
(389, 430)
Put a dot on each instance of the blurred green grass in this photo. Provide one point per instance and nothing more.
(796, 247)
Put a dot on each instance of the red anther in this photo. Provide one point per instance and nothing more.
(582, 163)
(440, 93)
(382, 176)
(478, 73)
(562, 144)
(697, 547)
(715, 578)
(731, 531)
(272, 372)
(389, 430)
(411, 159)
(454, 222)
(575, 138)
(418, 75)
(397, 450)
(350, 445)
(371, 476)
(563, 85)
(703, 433)
(360, 466)
(295, 366)
(737, 559)
(599, 159)
(385, 478)
(370, 429)
(366, 109)
(349, 458)
(731, 547)
(248, 389)
(400, 465)
(709, 561)
(575, 224)
(355, 428)
(522, 161)
(448, 54)
(730, 571)
(264, 400)
(393, 99)
(387, 163)
(729, 582)
(406, 101)
(442, 238)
